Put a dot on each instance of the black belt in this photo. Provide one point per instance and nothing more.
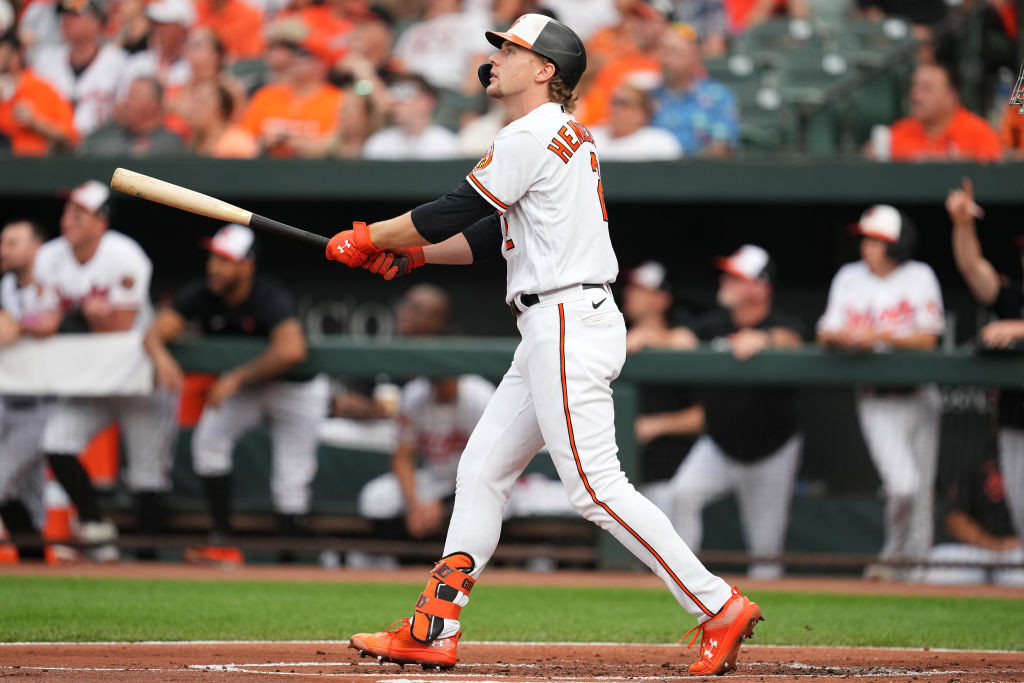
(531, 299)
(21, 402)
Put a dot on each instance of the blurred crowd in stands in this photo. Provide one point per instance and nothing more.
(397, 79)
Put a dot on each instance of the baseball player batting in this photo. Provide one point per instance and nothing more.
(537, 199)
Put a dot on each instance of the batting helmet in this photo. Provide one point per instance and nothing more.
(886, 223)
(547, 37)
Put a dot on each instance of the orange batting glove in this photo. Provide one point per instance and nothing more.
(395, 262)
(352, 247)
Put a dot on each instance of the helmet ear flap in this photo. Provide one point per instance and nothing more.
(903, 249)
(484, 74)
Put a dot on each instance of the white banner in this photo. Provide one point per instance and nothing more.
(107, 364)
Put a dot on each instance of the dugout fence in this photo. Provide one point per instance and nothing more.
(836, 520)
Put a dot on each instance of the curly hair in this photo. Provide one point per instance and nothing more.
(561, 93)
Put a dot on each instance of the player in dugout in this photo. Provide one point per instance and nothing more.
(537, 199)
(233, 299)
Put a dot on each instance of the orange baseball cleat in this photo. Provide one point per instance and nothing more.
(722, 635)
(398, 646)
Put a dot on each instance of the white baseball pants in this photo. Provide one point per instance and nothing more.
(148, 426)
(763, 488)
(1011, 465)
(295, 411)
(21, 460)
(557, 392)
(902, 436)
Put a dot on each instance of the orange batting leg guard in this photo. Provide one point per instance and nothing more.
(415, 640)
(722, 635)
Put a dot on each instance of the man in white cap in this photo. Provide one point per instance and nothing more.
(165, 59)
(93, 279)
(233, 300)
(85, 68)
(750, 442)
(888, 301)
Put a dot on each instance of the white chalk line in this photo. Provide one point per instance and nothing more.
(554, 643)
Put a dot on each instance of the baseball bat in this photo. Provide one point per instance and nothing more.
(162, 192)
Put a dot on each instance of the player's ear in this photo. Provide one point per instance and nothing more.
(545, 71)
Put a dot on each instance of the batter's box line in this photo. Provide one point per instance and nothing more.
(525, 643)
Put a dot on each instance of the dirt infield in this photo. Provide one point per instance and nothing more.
(508, 663)
(481, 662)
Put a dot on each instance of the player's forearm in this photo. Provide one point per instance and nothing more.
(396, 233)
(454, 251)
(783, 338)
(42, 324)
(115, 321)
(685, 422)
(919, 341)
(270, 365)
(981, 277)
(963, 528)
(287, 349)
(403, 466)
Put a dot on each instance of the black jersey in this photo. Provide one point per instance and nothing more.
(747, 422)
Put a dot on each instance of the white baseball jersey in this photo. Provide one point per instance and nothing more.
(553, 215)
(18, 301)
(645, 144)
(435, 142)
(119, 271)
(442, 49)
(440, 430)
(94, 92)
(147, 64)
(905, 302)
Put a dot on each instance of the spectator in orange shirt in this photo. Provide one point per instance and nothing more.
(291, 118)
(939, 127)
(644, 24)
(1011, 132)
(33, 116)
(209, 114)
(239, 26)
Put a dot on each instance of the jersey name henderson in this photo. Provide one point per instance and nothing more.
(542, 173)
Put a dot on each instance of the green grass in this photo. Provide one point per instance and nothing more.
(77, 609)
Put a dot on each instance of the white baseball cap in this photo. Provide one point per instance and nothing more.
(882, 222)
(649, 275)
(92, 196)
(749, 262)
(181, 12)
(233, 242)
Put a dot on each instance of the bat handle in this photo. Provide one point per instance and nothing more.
(270, 225)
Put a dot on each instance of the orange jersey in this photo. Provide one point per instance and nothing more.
(238, 26)
(968, 136)
(276, 114)
(47, 104)
(595, 103)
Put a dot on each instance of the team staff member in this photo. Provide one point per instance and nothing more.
(93, 279)
(888, 301)
(1006, 299)
(22, 418)
(233, 300)
(751, 441)
(542, 174)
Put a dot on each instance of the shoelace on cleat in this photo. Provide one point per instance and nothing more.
(401, 622)
(698, 627)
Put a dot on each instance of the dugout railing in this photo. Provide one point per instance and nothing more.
(835, 522)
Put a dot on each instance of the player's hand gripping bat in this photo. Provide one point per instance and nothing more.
(146, 187)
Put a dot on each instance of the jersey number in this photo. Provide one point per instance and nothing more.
(600, 186)
(508, 243)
